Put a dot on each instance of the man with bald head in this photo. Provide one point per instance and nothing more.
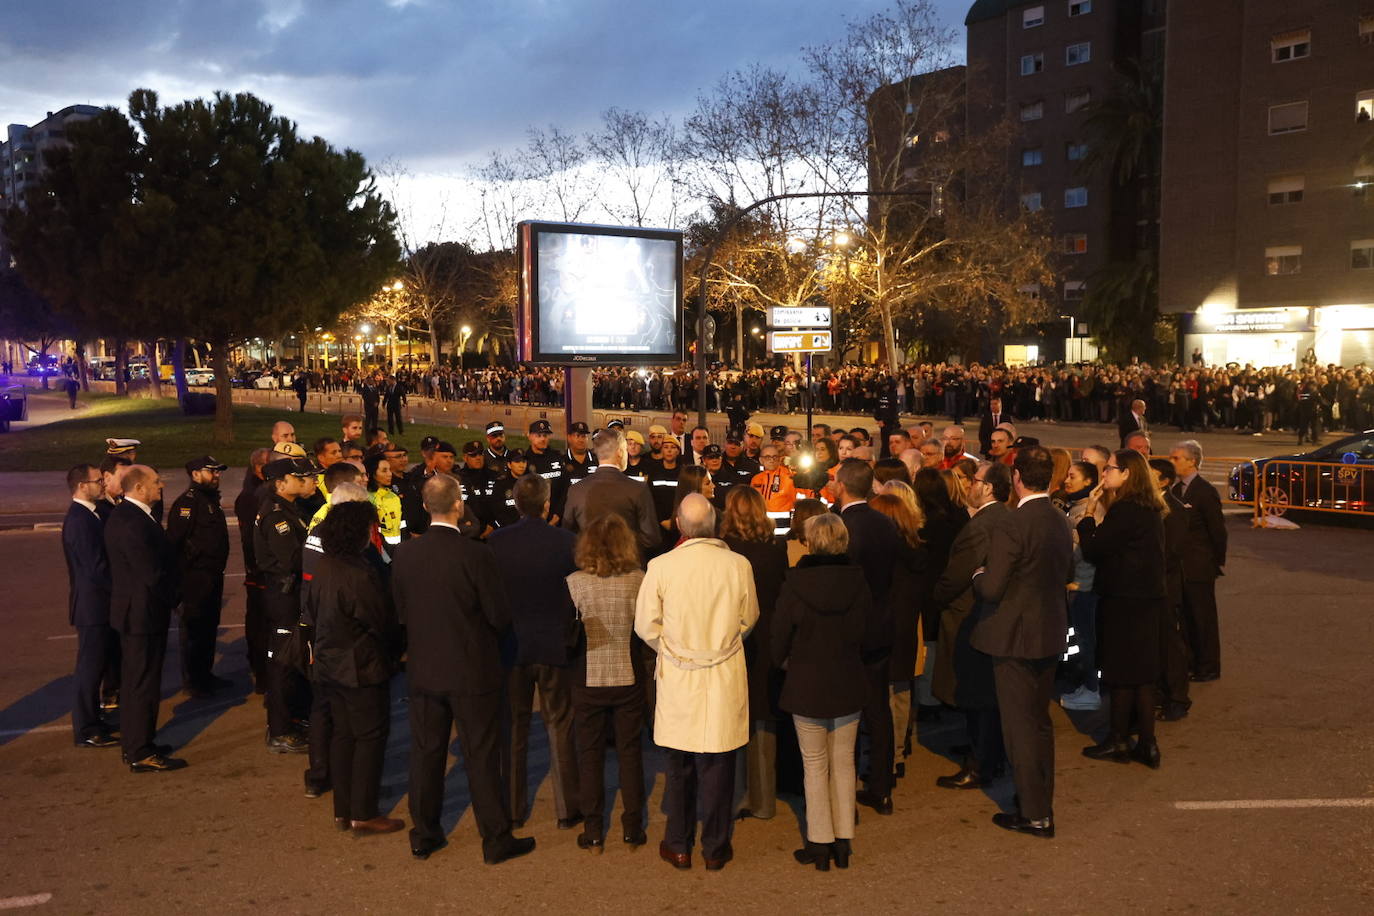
(1131, 422)
(952, 444)
(283, 432)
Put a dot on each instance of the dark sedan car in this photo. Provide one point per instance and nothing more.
(1338, 477)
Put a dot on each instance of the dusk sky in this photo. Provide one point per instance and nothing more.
(432, 84)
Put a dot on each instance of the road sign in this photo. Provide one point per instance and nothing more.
(807, 316)
(799, 341)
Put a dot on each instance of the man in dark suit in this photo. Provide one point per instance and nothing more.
(1023, 625)
(88, 603)
(1173, 647)
(535, 560)
(874, 544)
(142, 594)
(610, 491)
(992, 418)
(1132, 421)
(1204, 556)
(450, 598)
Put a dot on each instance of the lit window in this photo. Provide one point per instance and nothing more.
(1076, 99)
(1032, 156)
(1367, 30)
(1284, 119)
(1032, 63)
(1032, 111)
(1286, 190)
(1364, 179)
(1032, 17)
(1364, 105)
(1362, 254)
(1074, 243)
(941, 136)
(1282, 260)
(1079, 53)
(1075, 197)
(1080, 7)
(1029, 290)
(1073, 289)
(1291, 46)
(1031, 201)
(1075, 152)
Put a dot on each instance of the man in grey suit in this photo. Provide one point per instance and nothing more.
(609, 491)
(1024, 629)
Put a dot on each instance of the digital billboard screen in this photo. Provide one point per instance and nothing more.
(599, 295)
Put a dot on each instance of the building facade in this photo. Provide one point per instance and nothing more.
(1267, 218)
(21, 157)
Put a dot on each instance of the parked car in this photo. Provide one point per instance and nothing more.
(200, 376)
(14, 406)
(267, 380)
(1338, 476)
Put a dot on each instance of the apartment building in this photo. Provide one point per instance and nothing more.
(21, 156)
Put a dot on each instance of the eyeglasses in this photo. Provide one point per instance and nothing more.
(1113, 467)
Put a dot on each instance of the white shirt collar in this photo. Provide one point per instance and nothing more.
(84, 502)
(852, 503)
(147, 510)
(973, 512)
(434, 524)
(1027, 498)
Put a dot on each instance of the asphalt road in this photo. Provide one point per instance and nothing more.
(232, 833)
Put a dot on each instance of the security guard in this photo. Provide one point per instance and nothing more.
(577, 465)
(737, 468)
(547, 463)
(503, 494)
(199, 535)
(279, 537)
(479, 484)
(495, 455)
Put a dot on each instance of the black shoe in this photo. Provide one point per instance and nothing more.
(1172, 712)
(635, 839)
(1114, 750)
(591, 843)
(102, 739)
(162, 750)
(964, 779)
(157, 763)
(425, 850)
(1146, 753)
(1018, 824)
(314, 791)
(817, 854)
(288, 744)
(927, 712)
(882, 804)
(568, 823)
(840, 851)
(219, 683)
(512, 848)
(1205, 678)
(899, 771)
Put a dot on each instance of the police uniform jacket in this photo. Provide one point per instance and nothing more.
(479, 487)
(246, 511)
(278, 540)
(198, 530)
(663, 488)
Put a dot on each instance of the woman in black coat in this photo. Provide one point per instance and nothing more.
(748, 531)
(824, 619)
(354, 658)
(1128, 550)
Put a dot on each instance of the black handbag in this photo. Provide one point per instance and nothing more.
(575, 635)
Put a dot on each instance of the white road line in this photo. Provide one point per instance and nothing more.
(195, 714)
(14, 903)
(223, 626)
(1252, 803)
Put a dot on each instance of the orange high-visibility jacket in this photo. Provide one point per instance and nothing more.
(779, 492)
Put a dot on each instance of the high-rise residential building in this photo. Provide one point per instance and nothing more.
(21, 156)
(1041, 64)
(1268, 180)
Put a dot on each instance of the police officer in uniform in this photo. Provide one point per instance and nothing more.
(479, 484)
(495, 455)
(279, 537)
(578, 462)
(372, 398)
(737, 468)
(503, 493)
(548, 464)
(199, 536)
(713, 459)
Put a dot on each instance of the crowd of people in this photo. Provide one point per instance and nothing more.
(777, 616)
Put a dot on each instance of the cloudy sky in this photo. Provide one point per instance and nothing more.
(431, 84)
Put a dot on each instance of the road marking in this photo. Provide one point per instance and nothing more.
(14, 903)
(199, 713)
(223, 626)
(1252, 803)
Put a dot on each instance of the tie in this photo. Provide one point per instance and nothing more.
(1178, 490)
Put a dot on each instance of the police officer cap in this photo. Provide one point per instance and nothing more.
(616, 424)
(1025, 442)
(542, 426)
(205, 463)
(472, 448)
(289, 449)
(711, 451)
(446, 447)
(496, 428)
(778, 432)
(428, 442)
(121, 446)
(579, 427)
(734, 436)
(284, 467)
(516, 454)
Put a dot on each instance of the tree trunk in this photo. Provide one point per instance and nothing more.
(43, 362)
(179, 372)
(82, 375)
(121, 366)
(154, 371)
(224, 402)
(276, 353)
(433, 345)
(885, 309)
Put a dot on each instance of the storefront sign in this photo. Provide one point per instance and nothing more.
(1250, 321)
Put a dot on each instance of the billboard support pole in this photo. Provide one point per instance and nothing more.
(711, 253)
(577, 395)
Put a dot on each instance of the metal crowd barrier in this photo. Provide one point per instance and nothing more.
(1310, 486)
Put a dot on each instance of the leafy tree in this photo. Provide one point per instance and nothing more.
(27, 318)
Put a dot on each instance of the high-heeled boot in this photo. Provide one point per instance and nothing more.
(817, 854)
(840, 851)
(1147, 752)
(1114, 749)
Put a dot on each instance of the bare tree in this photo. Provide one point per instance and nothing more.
(555, 161)
(640, 161)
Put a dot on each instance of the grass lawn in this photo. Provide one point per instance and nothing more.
(170, 438)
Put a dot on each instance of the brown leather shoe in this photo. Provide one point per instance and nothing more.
(377, 825)
(680, 860)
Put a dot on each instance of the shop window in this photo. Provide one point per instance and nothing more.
(1080, 7)
(1032, 17)
(1032, 63)
(1075, 197)
(1074, 243)
(1079, 53)
(1282, 260)
(1286, 190)
(1287, 118)
(1293, 45)
(1034, 156)
(1362, 254)
(1032, 111)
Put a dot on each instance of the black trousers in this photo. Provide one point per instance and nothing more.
(110, 677)
(92, 650)
(876, 719)
(1200, 625)
(622, 709)
(140, 691)
(255, 630)
(555, 706)
(984, 728)
(699, 783)
(300, 396)
(394, 423)
(1025, 687)
(477, 717)
(369, 417)
(1173, 662)
(322, 709)
(288, 692)
(202, 595)
(362, 722)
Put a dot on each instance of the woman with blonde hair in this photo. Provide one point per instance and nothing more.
(606, 680)
(1127, 549)
(748, 531)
